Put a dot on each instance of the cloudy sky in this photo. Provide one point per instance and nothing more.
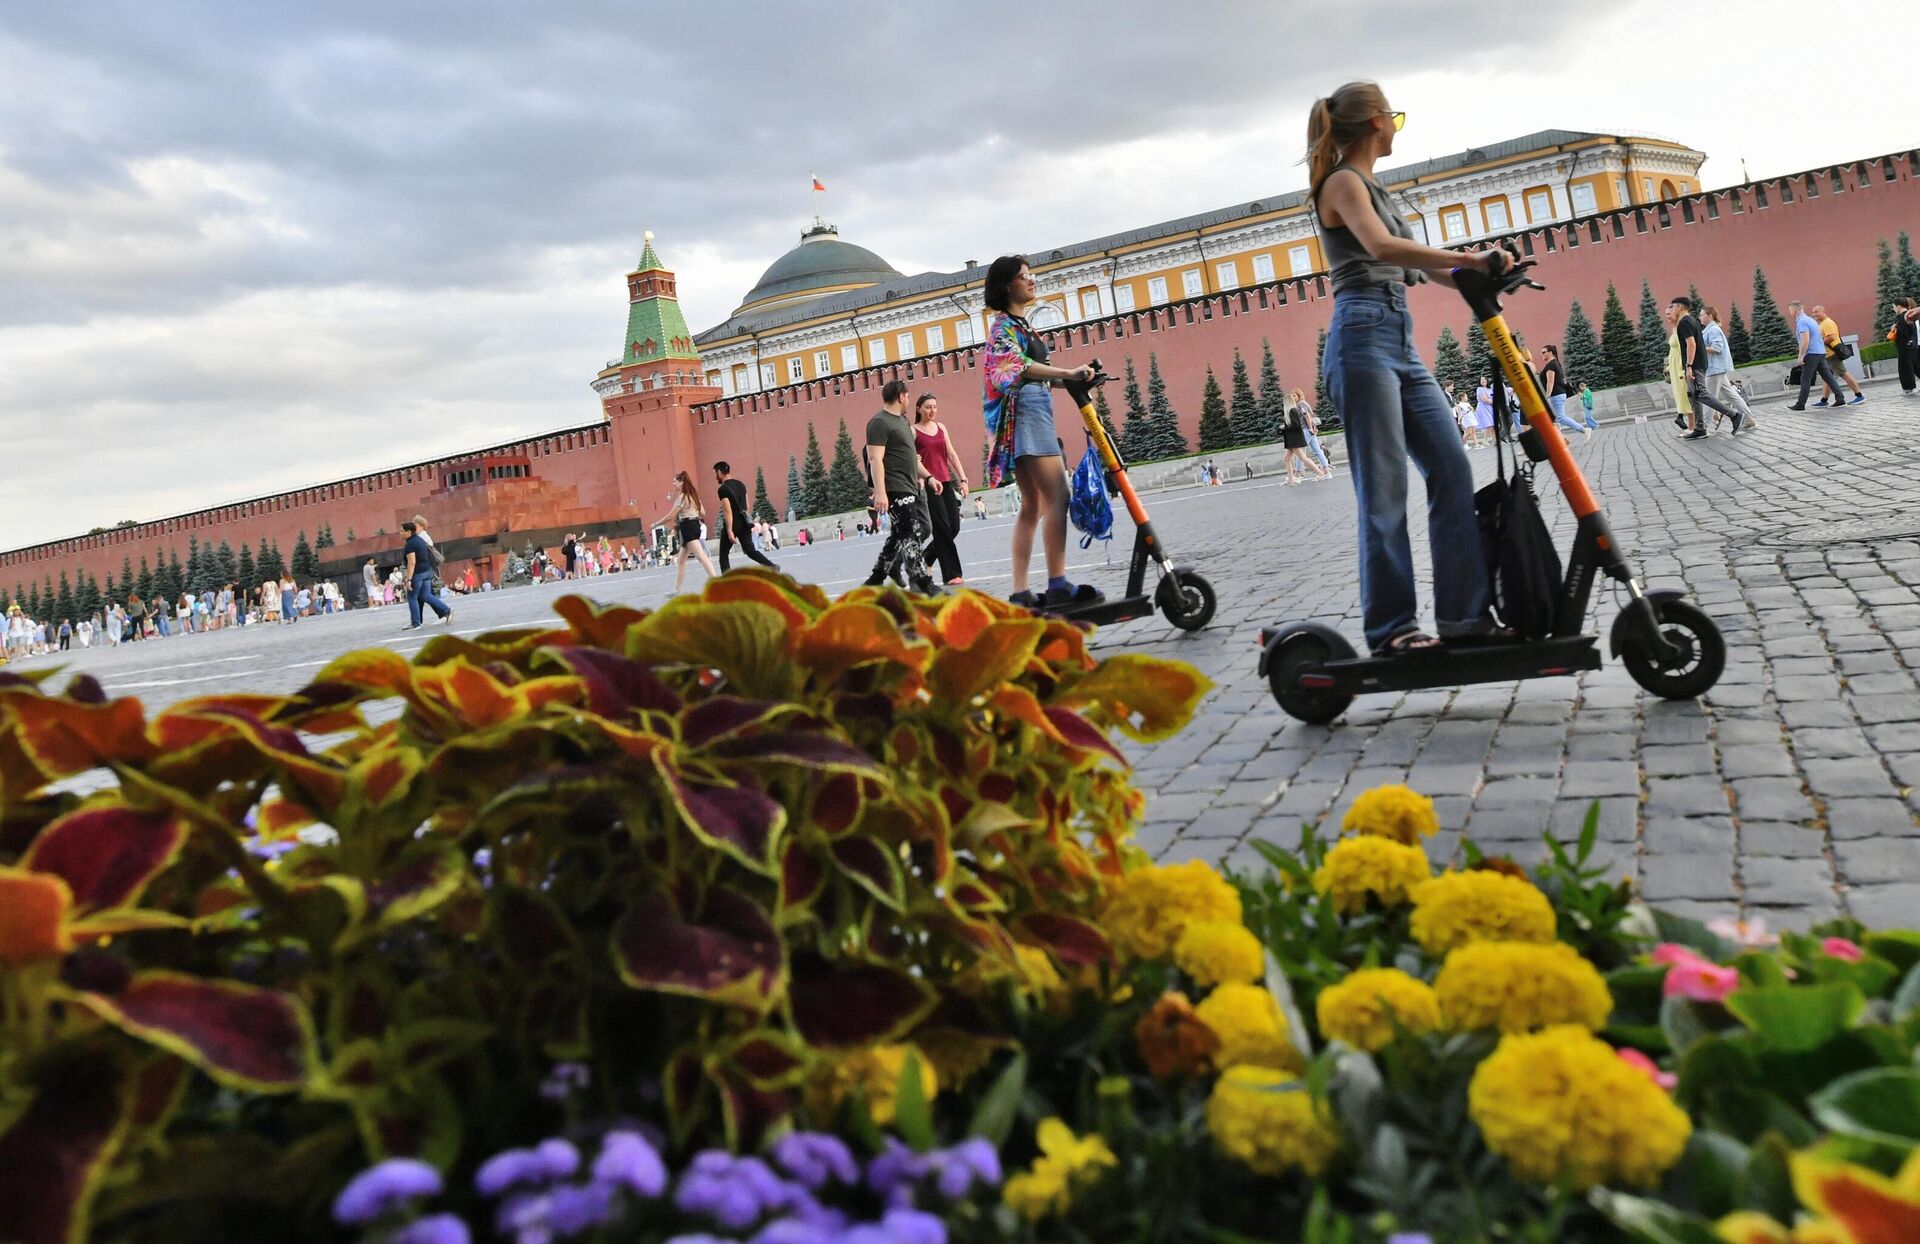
(247, 246)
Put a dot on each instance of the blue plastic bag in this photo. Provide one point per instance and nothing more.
(1087, 499)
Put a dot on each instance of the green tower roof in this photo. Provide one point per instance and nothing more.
(656, 329)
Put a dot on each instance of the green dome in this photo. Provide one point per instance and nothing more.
(821, 262)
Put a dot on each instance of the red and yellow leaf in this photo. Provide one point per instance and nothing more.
(106, 853)
(853, 633)
(34, 908)
(732, 954)
(241, 1035)
(55, 1154)
(845, 1005)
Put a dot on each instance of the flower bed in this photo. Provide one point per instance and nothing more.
(763, 917)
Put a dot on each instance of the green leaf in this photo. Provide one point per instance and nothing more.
(1900, 947)
(1798, 1018)
(1693, 935)
(911, 1113)
(1906, 999)
(1882, 1106)
(1766, 1184)
(1589, 833)
(1705, 1179)
(1647, 1221)
(993, 1117)
(1682, 1022)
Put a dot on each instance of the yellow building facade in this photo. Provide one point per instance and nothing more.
(828, 306)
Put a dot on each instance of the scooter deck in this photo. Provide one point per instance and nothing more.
(1121, 609)
(1455, 665)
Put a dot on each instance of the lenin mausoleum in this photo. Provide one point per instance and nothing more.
(830, 322)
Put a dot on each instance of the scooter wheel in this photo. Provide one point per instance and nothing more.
(1186, 598)
(1308, 654)
(1703, 653)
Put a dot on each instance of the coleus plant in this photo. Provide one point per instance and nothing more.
(702, 848)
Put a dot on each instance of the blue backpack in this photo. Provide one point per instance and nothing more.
(1087, 499)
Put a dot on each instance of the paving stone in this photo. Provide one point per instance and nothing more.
(1681, 761)
(1689, 876)
(1591, 778)
(1220, 823)
(1689, 796)
(1688, 835)
(1773, 838)
(1771, 799)
(1871, 861)
(1885, 906)
(1868, 818)
(1786, 882)
(1832, 778)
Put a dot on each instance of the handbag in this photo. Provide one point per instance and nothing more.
(1523, 567)
(1842, 351)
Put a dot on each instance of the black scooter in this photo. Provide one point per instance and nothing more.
(1669, 646)
(1182, 594)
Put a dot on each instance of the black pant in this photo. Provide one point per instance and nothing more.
(1817, 364)
(1909, 365)
(1697, 393)
(943, 514)
(905, 548)
(743, 536)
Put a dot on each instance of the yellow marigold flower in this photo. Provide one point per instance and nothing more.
(1251, 1028)
(1479, 906)
(1520, 986)
(1395, 812)
(1560, 1103)
(955, 1055)
(1267, 1121)
(876, 1072)
(1359, 869)
(1067, 1163)
(1216, 952)
(1155, 905)
(1360, 1010)
(1172, 1040)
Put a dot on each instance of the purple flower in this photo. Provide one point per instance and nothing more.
(700, 1237)
(575, 1207)
(727, 1200)
(1409, 1237)
(793, 1231)
(894, 1170)
(628, 1160)
(815, 1157)
(439, 1229)
(563, 1079)
(965, 1164)
(379, 1188)
(505, 1169)
(558, 1158)
(912, 1226)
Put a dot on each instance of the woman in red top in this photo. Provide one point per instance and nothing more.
(936, 454)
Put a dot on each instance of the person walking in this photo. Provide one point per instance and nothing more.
(1718, 380)
(417, 559)
(65, 634)
(894, 463)
(736, 525)
(1586, 403)
(934, 445)
(1553, 382)
(1905, 335)
(1483, 407)
(1388, 402)
(1689, 349)
(1813, 355)
(684, 508)
(1838, 352)
(1293, 439)
(1017, 408)
(1310, 421)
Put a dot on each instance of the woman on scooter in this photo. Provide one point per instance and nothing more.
(1388, 401)
(1023, 443)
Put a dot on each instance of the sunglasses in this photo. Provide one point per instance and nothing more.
(1399, 120)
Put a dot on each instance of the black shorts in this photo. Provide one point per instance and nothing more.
(689, 530)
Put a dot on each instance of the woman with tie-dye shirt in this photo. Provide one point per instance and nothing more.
(1021, 438)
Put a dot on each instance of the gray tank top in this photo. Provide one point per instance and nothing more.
(1347, 261)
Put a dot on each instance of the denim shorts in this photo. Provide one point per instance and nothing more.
(1033, 431)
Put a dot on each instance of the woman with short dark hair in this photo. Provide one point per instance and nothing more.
(1021, 437)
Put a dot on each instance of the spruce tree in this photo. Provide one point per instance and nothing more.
(1618, 341)
(796, 499)
(813, 475)
(1323, 408)
(224, 565)
(1652, 335)
(1244, 416)
(44, 602)
(1167, 437)
(1216, 430)
(270, 564)
(1586, 361)
(323, 539)
(1886, 287)
(1136, 438)
(1906, 270)
(245, 576)
(1694, 301)
(1480, 355)
(1272, 399)
(86, 595)
(176, 575)
(126, 574)
(195, 567)
(1450, 364)
(350, 535)
(1738, 343)
(143, 586)
(1770, 334)
(19, 595)
(63, 600)
(110, 591)
(846, 482)
(762, 506)
(305, 564)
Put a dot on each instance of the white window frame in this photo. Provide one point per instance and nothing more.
(1191, 283)
(766, 375)
(1262, 269)
(1542, 200)
(1156, 290)
(796, 370)
(1122, 299)
(1299, 260)
(849, 358)
(905, 342)
(1646, 188)
(724, 381)
(1453, 224)
(876, 351)
(936, 339)
(822, 363)
(1418, 223)
(1090, 307)
(1585, 203)
(1620, 190)
(1505, 222)
(963, 332)
(1226, 275)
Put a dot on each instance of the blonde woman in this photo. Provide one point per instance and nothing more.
(1294, 436)
(684, 507)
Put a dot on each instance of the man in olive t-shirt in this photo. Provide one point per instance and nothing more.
(894, 465)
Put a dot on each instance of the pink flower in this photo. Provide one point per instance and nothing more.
(1747, 934)
(1841, 948)
(1640, 1062)
(1693, 977)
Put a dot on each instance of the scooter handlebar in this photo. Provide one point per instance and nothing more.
(1483, 290)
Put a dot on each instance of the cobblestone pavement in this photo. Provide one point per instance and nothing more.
(1788, 791)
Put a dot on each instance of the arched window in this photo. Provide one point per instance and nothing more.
(1048, 315)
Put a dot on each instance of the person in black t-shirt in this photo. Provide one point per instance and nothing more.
(1693, 359)
(1553, 382)
(895, 466)
(736, 525)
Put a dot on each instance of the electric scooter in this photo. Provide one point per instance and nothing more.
(1669, 645)
(1182, 594)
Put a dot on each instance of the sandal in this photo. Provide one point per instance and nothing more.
(1075, 594)
(1026, 600)
(1408, 641)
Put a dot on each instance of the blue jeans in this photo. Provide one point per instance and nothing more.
(1588, 410)
(1558, 404)
(421, 595)
(1313, 447)
(1392, 407)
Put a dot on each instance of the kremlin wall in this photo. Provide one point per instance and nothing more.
(1814, 233)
